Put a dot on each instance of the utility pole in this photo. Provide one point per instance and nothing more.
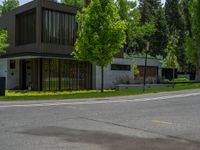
(145, 66)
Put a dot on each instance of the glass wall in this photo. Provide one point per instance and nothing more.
(58, 27)
(60, 74)
(26, 27)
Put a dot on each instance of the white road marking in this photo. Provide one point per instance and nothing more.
(162, 122)
(98, 102)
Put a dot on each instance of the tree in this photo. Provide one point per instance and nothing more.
(173, 16)
(3, 41)
(185, 9)
(153, 12)
(175, 20)
(190, 50)
(170, 61)
(190, 54)
(195, 41)
(101, 34)
(135, 69)
(8, 5)
(136, 31)
(77, 3)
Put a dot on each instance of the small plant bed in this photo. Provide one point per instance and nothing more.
(179, 80)
(27, 95)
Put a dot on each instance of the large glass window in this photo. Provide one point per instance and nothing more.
(26, 27)
(58, 27)
(63, 74)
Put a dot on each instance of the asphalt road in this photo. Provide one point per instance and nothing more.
(166, 121)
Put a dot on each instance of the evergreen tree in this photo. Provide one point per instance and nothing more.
(173, 16)
(8, 5)
(176, 24)
(185, 9)
(195, 11)
(101, 34)
(152, 11)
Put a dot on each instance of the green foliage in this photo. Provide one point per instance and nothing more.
(136, 31)
(177, 18)
(135, 70)
(173, 16)
(3, 41)
(8, 5)
(190, 50)
(192, 42)
(185, 7)
(170, 61)
(77, 3)
(195, 11)
(153, 12)
(196, 21)
(101, 33)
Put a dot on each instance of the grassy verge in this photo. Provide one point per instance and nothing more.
(27, 95)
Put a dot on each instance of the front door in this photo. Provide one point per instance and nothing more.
(26, 75)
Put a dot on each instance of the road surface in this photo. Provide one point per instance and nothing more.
(165, 121)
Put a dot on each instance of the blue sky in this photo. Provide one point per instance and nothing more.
(25, 1)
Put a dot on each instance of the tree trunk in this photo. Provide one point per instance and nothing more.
(102, 79)
(198, 65)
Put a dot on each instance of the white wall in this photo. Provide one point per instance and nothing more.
(13, 76)
(113, 77)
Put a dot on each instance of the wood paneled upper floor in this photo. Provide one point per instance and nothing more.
(41, 26)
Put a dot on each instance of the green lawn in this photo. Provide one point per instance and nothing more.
(27, 95)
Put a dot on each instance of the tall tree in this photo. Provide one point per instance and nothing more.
(176, 24)
(185, 9)
(173, 16)
(8, 5)
(3, 41)
(185, 6)
(195, 11)
(152, 11)
(101, 34)
(136, 31)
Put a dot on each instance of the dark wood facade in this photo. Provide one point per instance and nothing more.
(34, 43)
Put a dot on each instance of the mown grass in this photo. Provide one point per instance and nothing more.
(27, 95)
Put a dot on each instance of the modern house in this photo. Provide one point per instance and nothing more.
(41, 35)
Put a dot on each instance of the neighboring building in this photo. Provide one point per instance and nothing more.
(153, 70)
(41, 35)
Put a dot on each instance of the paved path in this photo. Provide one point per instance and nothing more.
(165, 121)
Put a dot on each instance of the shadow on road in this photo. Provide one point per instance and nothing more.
(112, 141)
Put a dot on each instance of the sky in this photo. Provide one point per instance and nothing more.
(25, 1)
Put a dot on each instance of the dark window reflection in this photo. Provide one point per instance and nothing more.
(26, 27)
(63, 74)
(58, 27)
